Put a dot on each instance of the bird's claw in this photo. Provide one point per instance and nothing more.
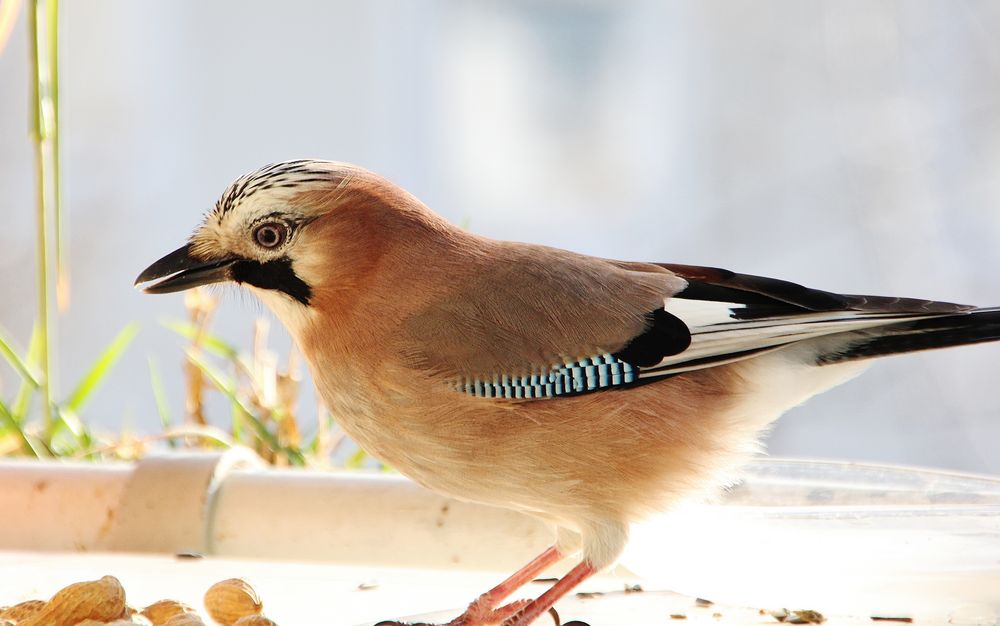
(513, 619)
(478, 614)
(483, 615)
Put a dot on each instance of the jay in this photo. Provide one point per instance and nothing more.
(588, 392)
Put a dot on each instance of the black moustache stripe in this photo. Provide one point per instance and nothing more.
(276, 275)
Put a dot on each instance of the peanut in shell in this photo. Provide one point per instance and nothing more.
(228, 600)
(102, 600)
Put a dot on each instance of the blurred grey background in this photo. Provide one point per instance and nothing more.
(850, 146)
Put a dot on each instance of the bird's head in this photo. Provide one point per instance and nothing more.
(284, 231)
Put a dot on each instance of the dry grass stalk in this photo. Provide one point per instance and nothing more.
(200, 306)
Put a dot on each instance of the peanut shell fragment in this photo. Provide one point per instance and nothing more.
(185, 619)
(162, 610)
(22, 610)
(254, 620)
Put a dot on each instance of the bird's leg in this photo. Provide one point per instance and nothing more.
(483, 609)
(544, 602)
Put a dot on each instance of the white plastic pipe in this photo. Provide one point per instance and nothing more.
(227, 505)
(58, 506)
(365, 518)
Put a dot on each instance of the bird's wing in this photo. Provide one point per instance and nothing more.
(519, 311)
(733, 316)
(532, 326)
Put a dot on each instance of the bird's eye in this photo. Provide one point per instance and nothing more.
(270, 234)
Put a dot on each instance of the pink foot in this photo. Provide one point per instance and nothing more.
(483, 610)
(544, 602)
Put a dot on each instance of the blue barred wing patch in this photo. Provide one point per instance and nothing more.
(583, 376)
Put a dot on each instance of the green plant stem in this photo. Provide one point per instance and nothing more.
(58, 223)
(40, 134)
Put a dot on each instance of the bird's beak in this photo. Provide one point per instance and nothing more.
(179, 271)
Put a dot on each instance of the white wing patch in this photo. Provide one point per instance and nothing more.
(699, 313)
(718, 335)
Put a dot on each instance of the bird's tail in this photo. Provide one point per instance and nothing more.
(929, 333)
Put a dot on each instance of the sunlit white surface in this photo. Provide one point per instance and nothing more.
(863, 540)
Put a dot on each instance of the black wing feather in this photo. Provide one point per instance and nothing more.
(770, 296)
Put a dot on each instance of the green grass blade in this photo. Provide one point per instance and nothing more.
(312, 447)
(68, 420)
(356, 460)
(229, 390)
(210, 342)
(9, 423)
(28, 373)
(236, 419)
(210, 434)
(99, 370)
(160, 397)
(22, 401)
